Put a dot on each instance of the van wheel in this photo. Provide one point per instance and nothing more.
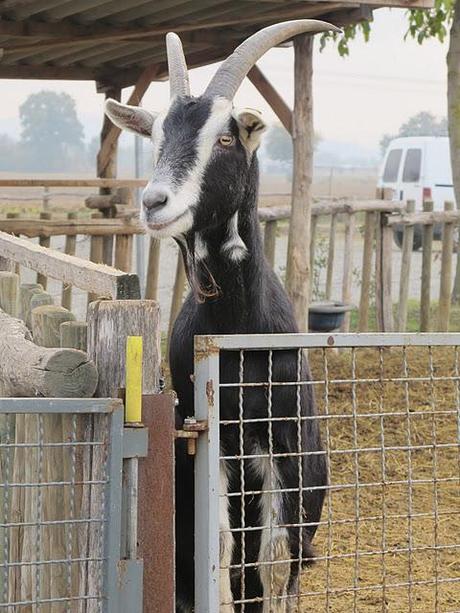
(418, 238)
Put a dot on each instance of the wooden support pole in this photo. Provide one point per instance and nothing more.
(314, 224)
(404, 279)
(153, 269)
(178, 294)
(427, 256)
(369, 237)
(70, 249)
(124, 252)
(266, 89)
(270, 241)
(383, 264)
(446, 272)
(330, 256)
(109, 324)
(298, 271)
(347, 268)
(43, 241)
(96, 253)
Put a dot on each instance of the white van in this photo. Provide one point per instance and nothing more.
(418, 168)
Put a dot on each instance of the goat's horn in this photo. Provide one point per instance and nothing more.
(177, 66)
(231, 73)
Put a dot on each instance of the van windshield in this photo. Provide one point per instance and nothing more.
(390, 174)
(412, 164)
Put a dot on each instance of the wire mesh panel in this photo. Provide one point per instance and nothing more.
(387, 466)
(58, 480)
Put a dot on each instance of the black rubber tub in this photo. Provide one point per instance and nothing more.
(327, 316)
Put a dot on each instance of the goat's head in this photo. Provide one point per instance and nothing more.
(203, 147)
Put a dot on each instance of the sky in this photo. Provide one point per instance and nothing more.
(356, 99)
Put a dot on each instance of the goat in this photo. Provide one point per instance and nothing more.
(203, 193)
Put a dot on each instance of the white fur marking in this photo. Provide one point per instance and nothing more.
(226, 547)
(201, 249)
(234, 247)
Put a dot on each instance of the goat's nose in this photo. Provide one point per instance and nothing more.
(155, 197)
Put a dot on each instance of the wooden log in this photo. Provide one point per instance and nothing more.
(101, 201)
(330, 256)
(266, 89)
(96, 182)
(96, 226)
(70, 249)
(9, 293)
(109, 323)
(369, 237)
(178, 294)
(124, 252)
(153, 269)
(43, 241)
(270, 241)
(28, 370)
(46, 322)
(85, 275)
(383, 264)
(6, 265)
(404, 279)
(74, 334)
(427, 255)
(37, 300)
(446, 272)
(347, 268)
(298, 270)
(26, 291)
(425, 218)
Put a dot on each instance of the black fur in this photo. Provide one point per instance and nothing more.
(248, 298)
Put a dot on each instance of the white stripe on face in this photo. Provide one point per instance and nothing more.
(185, 196)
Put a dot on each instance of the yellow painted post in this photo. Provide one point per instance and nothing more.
(133, 401)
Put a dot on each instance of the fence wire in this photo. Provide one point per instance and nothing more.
(54, 473)
(389, 534)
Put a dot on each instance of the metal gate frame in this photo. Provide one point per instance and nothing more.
(122, 579)
(207, 387)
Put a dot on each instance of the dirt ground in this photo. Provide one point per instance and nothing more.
(390, 533)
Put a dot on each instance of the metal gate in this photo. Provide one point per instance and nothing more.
(61, 506)
(389, 415)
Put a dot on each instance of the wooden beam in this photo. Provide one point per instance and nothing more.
(97, 182)
(266, 89)
(24, 71)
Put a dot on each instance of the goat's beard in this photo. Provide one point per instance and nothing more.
(195, 271)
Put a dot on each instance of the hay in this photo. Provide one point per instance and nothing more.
(390, 516)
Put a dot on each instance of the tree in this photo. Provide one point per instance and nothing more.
(444, 18)
(52, 135)
(278, 144)
(422, 124)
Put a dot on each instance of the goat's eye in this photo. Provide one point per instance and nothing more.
(226, 140)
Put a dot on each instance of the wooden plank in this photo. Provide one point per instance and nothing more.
(427, 256)
(96, 182)
(446, 272)
(446, 216)
(298, 270)
(270, 241)
(109, 324)
(89, 227)
(331, 256)
(368, 247)
(347, 268)
(404, 279)
(153, 269)
(80, 273)
(28, 370)
(266, 89)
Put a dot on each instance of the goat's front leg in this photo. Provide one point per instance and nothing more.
(226, 546)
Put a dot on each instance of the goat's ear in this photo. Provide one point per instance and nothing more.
(251, 126)
(132, 118)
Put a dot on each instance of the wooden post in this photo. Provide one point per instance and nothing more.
(109, 324)
(44, 241)
(70, 249)
(46, 321)
(153, 269)
(298, 271)
(330, 256)
(96, 253)
(383, 257)
(39, 299)
(107, 168)
(74, 334)
(446, 272)
(314, 223)
(9, 293)
(178, 294)
(124, 252)
(270, 241)
(26, 291)
(404, 279)
(347, 267)
(369, 236)
(427, 255)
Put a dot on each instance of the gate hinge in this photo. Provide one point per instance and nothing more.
(191, 429)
